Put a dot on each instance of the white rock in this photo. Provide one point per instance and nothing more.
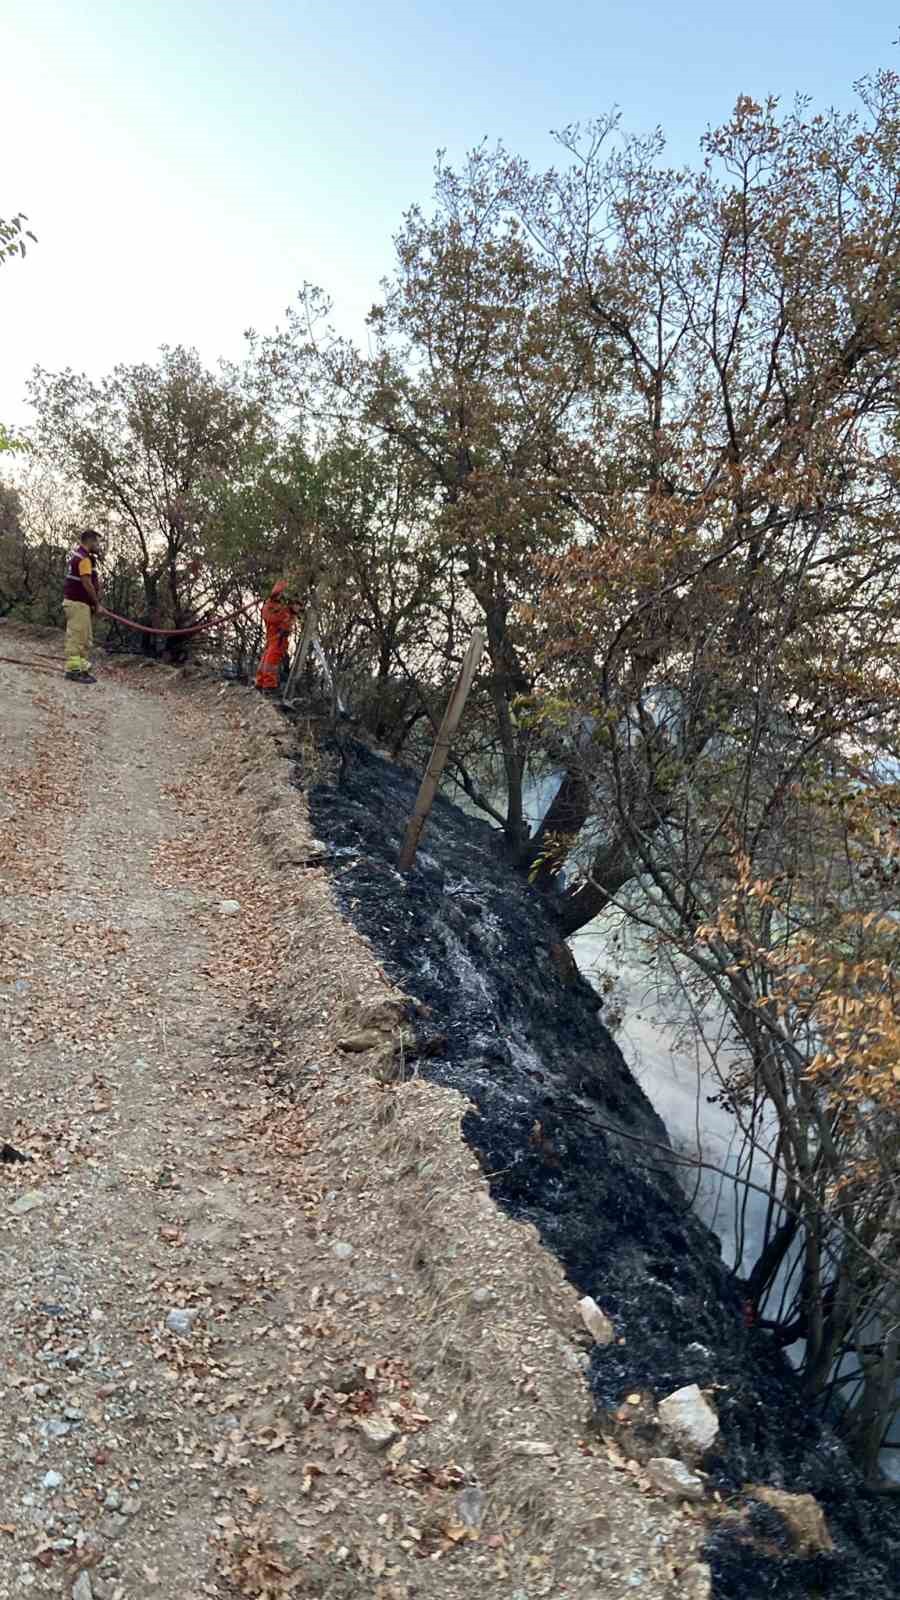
(596, 1321)
(52, 1480)
(533, 1447)
(29, 1201)
(480, 1298)
(673, 1478)
(688, 1416)
(377, 1432)
(344, 1252)
(81, 1588)
(181, 1321)
(229, 908)
(470, 1506)
(699, 1350)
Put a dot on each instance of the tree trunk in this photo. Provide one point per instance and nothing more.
(502, 690)
(566, 816)
(612, 867)
(150, 619)
(767, 1264)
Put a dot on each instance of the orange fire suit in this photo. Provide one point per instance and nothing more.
(279, 616)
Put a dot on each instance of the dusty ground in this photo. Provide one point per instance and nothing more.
(376, 1390)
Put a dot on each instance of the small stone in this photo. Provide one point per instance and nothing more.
(130, 1508)
(344, 1252)
(470, 1506)
(673, 1478)
(112, 1500)
(479, 1298)
(29, 1201)
(699, 1350)
(365, 1039)
(52, 1480)
(596, 1321)
(804, 1517)
(75, 1356)
(688, 1416)
(113, 1526)
(72, 1414)
(229, 908)
(41, 1390)
(347, 1380)
(377, 1432)
(81, 1588)
(181, 1321)
(56, 1429)
(533, 1447)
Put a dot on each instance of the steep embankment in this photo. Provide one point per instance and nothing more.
(571, 1144)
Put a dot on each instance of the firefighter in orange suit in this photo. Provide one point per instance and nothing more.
(279, 613)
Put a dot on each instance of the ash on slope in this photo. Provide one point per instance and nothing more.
(573, 1145)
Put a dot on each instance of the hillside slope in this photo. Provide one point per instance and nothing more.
(266, 1331)
(572, 1145)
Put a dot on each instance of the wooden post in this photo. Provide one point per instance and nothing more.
(310, 622)
(441, 750)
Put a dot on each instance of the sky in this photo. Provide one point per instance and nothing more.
(186, 167)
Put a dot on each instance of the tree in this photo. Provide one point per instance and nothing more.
(13, 235)
(352, 520)
(721, 657)
(11, 548)
(477, 376)
(148, 445)
(43, 509)
(746, 463)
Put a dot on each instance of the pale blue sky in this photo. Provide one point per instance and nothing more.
(187, 166)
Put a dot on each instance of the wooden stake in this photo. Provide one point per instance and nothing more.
(439, 754)
(306, 638)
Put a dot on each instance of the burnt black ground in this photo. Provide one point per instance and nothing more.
(567, 1137)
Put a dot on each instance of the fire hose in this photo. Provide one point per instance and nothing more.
(175, 633)
(141, 627)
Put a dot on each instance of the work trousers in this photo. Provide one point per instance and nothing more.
(273, 655)
(79, 636)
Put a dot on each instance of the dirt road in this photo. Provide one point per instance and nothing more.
(254, 1343)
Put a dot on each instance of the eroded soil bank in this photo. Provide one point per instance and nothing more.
(570, 1143)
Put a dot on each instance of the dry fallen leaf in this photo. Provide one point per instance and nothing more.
(458, 1532)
